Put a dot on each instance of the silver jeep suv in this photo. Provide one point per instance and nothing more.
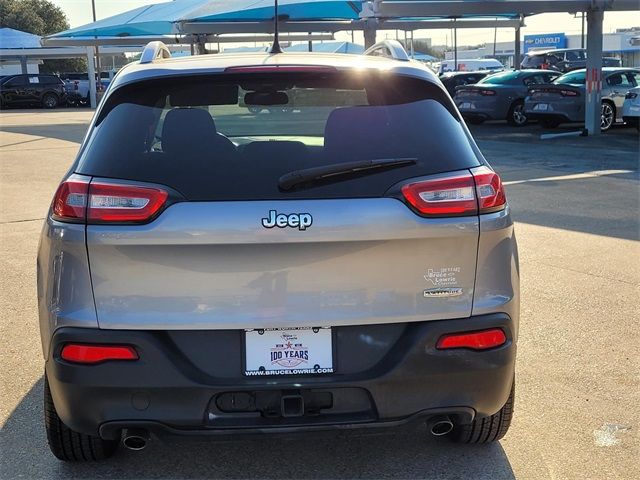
(276, 242)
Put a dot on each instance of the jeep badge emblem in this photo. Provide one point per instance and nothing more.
(302, 221)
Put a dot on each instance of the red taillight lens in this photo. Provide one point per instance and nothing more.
(70, 201)
(489, 189)
(488, 93)
(443, 196)
(482, 340)
(110, 202)
(568, 93)
(463, 193)
(92, 354)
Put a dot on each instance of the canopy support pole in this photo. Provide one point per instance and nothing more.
(23, 65)
(370, 27)
(593, 85)
(92, 77)
(517, 51)
(455, 46)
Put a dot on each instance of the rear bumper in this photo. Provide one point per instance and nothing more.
(558, 117)
(165, 391)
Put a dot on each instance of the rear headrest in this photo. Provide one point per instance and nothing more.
(615, 80)
(185, 127)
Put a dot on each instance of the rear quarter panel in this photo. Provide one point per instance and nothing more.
(65, 297)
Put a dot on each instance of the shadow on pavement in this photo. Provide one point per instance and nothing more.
(70, 132)
(409, 453)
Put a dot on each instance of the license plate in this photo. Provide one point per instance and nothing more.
(541, 107)
(466, 106)
(288, 351)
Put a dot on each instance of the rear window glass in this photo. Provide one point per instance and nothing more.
(231, 137)
(573, 78)
(504, 78)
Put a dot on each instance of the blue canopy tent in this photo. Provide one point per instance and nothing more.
(165, 18)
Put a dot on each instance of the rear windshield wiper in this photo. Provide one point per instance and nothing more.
(315, 174)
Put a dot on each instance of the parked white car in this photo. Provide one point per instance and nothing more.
(470, 65)
(631, 107)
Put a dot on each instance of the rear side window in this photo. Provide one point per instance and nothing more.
(231, 137)
(15, 82)
(533, 61)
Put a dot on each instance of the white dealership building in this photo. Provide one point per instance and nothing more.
(623, 44)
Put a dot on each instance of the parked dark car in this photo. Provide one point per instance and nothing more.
(500, 96)
(22, 90)
(452, 80)
(563, 100)
(562, 60)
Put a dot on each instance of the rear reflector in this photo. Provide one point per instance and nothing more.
(78, 201)
(110, 202)
(462, 193)
(92, 354)
(482, 340)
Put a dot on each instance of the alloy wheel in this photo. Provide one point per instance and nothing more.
(606, 117)
(519, 118)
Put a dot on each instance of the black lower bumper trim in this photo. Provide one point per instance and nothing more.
(166, 389)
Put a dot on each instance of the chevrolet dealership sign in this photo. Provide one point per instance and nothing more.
(544, 41)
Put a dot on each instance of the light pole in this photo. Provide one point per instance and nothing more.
(93, 8)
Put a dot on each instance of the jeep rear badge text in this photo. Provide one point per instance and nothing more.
(300, 220)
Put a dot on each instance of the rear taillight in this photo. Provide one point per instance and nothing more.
(79, 201)
(463, 193)
(92, 354)
(110, 202)
(443, 196)
(70, 201)
(488, 93)
(569, 93)
(489, 190)
(480, 340)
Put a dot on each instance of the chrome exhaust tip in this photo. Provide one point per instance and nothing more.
(135, 439)
(440, 425)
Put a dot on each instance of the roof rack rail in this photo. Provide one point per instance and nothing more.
(390, 49)
(154, 51)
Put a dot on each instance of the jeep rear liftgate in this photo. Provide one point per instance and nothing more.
(314, 263)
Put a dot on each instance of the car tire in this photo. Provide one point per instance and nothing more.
(50, 100)
(549, 123)
(489, 429)
(516, 116)
(607, 115)
(69, 445)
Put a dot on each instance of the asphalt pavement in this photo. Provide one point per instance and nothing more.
(577, 413)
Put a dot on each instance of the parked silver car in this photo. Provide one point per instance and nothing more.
(563, 100)
(349, 262)
(500, 96)
(631, 108)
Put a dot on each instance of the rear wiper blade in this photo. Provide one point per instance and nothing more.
(314, 174)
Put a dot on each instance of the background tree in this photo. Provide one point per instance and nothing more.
(40, 17)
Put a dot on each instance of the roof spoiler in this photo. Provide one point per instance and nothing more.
(154, 51)
(390, 49)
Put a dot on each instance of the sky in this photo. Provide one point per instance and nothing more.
(79, 13)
